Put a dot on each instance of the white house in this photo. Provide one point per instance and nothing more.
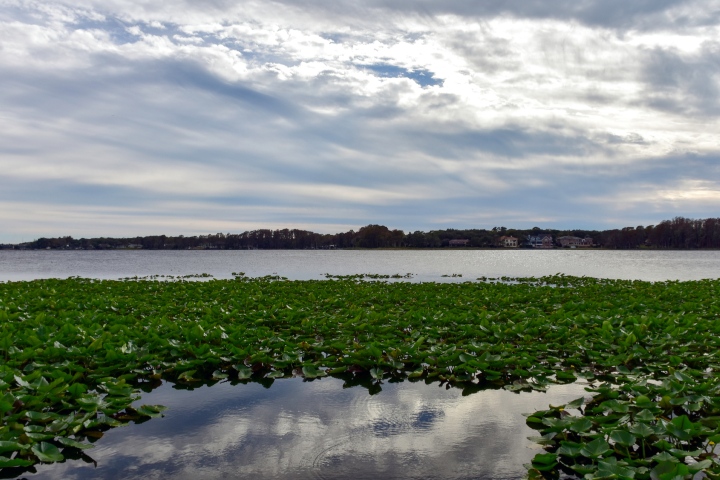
(508, 242)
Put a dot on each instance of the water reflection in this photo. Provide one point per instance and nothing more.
(319, 429)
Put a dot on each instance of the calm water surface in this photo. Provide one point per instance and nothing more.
(425, 265)
(320, 430)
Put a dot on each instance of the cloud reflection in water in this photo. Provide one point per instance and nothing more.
(320, 430)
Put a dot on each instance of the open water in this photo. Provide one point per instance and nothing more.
(321, 430)
(425, 265)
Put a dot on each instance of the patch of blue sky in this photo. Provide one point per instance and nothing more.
(14, 13)
(335, 37)
(421, 76)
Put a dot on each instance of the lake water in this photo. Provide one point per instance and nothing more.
(425, 265)
(320, 430)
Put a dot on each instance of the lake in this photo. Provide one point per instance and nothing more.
(321, 429)
(425, 265)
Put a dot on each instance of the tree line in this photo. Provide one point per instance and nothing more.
(678, 233)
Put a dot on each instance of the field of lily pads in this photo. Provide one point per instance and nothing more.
(77, 354)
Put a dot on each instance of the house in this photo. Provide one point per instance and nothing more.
(540, 241)
(569, 241)
(508, 242)
(459, 243)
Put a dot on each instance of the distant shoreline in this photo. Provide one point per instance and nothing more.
(439, 249)
(676, 234)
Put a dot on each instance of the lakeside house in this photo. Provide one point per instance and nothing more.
(540, 241)
(508, 242)
(570, 241)
(463, 242)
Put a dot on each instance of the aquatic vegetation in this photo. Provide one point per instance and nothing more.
(77, 353)
(368, 276)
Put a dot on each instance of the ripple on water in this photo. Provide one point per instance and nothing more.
(320, 430)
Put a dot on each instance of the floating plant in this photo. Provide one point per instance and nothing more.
(77, 353)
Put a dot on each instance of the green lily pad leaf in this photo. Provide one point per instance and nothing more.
(6, 404)
(663, 445)
(557, 424)
(669, 471)
(7, 446)
(39, 417)
(577, 403)
(152, 411)
(533, 474)
(74, 444)
(275, 374)
(665, 457)
(219, 375)
(14, 462)
(582, 424)
(681, 427)
(615, 406)
(595, 449)
(643, 401)
(623, 437)
(584, 469)
(77, 389)
(683, 377)
(377, 373)
(546, 439)
(569, 449)
(711, 422)
(565, 377)
(700, 466)
(243, 372)
(22, 382)
(544, 461)
(39, 437)
(681, 454)
(311, 371)
(47, 452)
(642, 430)
(645, 416)
(612, 469)
(90, 402)
(187, 376)
(57, 426)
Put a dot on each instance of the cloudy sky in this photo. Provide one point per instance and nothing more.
(180, 117)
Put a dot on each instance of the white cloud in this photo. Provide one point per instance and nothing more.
(373, 105)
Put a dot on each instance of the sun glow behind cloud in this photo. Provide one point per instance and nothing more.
(380, 113)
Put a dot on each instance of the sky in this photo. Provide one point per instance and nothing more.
(125, 118)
